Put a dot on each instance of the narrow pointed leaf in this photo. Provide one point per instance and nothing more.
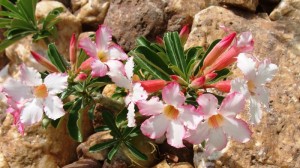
(109, 120)
(56, 59)
(113, 151)
(135, 151)
(104, 145)
(74, 117)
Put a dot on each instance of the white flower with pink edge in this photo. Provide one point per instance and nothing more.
(102, 51)
(220, 123)
(256, 75)
(36, 95)
(172, 118)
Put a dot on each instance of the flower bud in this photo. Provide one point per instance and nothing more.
(43, 61)
(81, 77)
(218, 50)
(152, 86)
(184, 34)
(72, 50)
(223, 86)
(210, 76)
(86, 65)
(159, 40)
(197, 83)
(178, 79)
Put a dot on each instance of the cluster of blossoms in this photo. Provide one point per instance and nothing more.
(163, 102)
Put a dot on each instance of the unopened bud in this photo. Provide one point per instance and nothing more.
(43, 61)
(197, 83)
(210, 76)
(152, 86)
(81, 77)
(86, 65)
(159, 40)
(178, 79)
(72, 50)
(184, 34)
(223, 86)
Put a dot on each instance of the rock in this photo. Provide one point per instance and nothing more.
(162, 164)
(182, 165)
(182, 7)
(115, 164)
(84, 163)
(275, 140)
(131, 19)
(287, 10)
(93, 12)
(245, 4)
(174, 155)
(65, 2)
(76, 4)
(96, 138)
(38, 147)
(267, 6)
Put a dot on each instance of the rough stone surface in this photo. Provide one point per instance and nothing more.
(287, 10)
(37, 148)
(131, 19)
(99, 137)
(66, 3)
(275, 141)
(84, 163)
(245, 4)
(93, 12)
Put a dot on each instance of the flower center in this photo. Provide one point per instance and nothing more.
(40, 91)
(171, 112)
(102, 56)
(251, 87)
(215, 121)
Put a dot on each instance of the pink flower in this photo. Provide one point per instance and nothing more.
(244, 44)
(257, 74)
(171, 117)
(122, 76)
(220, 123)
(36, 95)
(15, 110)
(102, 51)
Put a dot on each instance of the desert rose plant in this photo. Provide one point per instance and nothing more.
(163, 91)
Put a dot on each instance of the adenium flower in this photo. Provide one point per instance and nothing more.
(171, 118)
(36, 95)
(220, 123)
(257, 74)
(102, 52)
(244, 43)
(15, 110)
(122, 77)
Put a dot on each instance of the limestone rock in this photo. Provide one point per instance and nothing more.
(84, 163)
(65, 2)
(76, 4)
(131, 19)
(182, 7)
(37, 148)
(99, 137)
(275, 140)
(245, 4)
(287, 10)
(93, 12)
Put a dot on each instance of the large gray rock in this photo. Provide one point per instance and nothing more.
(275, 140)
(131, 19)
(287, 10)
(245, 4)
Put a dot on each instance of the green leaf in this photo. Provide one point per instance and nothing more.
(81, 58)
(22, 25)
(51, 19)
(142, 41)
(135, 151)
(104, 145)
(5, 43)
(145, 64)
(109, 120)
(74, 121)
(175, 51)
(91, 111)
(27, 8)
(10, 6)
(55, 123)
(56, 59)
(154, 58)
(221, 75)
(177, 70)
(102, 128)
(113, 151)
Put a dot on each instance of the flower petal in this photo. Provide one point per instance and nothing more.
(246, 65)
(131, 115)
(175, 134)
(116, 73)
(262, 95)
(129, 68)
(150, 107)
(138, 93)
(17, 90)
(189, 117)
(30, 76)
(115, 52)
(208, 104)
(53, 107)
(155, 126)
(32, 112)
(99, 69)
(200, 134)
(240, 85)
(237, 129)
(255, 111)
(217, 139)
(265, 72)
(232, 104)
(89, 47)
(103, 37)
(172, 95)
(56, 82)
